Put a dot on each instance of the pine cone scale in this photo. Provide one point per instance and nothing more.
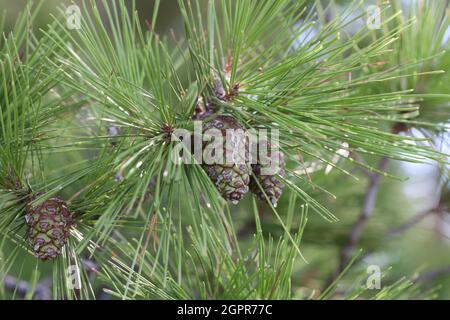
(231, 178)
(271, 184)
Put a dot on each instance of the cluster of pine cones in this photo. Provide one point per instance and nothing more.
(49, 222)
(233, 180)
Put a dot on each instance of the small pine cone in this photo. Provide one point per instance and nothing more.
(49, 227)
(270, 184)
(230, 177)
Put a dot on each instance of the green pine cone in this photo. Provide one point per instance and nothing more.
(49, 227)
(269, 184)
(230, 177)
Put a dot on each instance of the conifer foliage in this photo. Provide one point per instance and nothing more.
(90, 122)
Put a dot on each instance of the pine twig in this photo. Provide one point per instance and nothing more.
(432, 275)
(366, 213)
(399, 230)
(410, 223)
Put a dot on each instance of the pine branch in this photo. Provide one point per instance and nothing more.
(321, 93)
(361, 222)
(411, 222)
(434, 274)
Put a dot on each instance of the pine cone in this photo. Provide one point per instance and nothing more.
(270, 184)
(49, 227)
(230, 177)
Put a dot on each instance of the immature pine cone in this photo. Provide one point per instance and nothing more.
(271, 184)
(230, 177)
(49, 227)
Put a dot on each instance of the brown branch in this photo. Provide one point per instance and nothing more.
(410, 223)
(396, 231)
(366, 213)
(152, 233)
(360, 224)
(432, 275)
